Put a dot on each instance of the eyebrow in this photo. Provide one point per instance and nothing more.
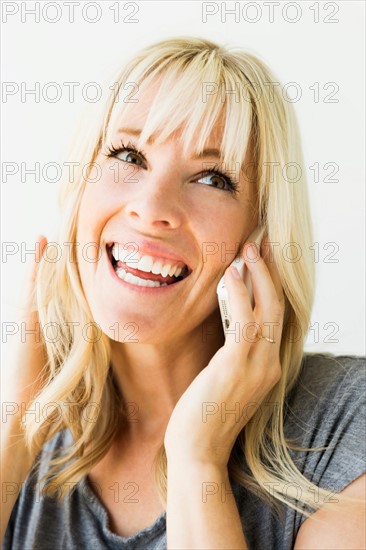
(205, 153)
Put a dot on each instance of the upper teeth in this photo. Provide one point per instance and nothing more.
(146, 263)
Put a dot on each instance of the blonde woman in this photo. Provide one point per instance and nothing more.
(154, 430)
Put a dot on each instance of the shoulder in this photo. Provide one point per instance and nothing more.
(337, 367)
(54, 447)
(318, 367)
(327, 382)
(32, 513)
(327, 408)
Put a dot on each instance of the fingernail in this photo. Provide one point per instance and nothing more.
(253, 251)
(235, 273)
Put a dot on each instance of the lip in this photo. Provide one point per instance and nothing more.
(152, 249)
(141, 289)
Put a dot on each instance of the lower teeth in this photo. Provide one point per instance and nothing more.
(129, 278)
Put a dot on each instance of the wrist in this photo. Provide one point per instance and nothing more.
(190, 464)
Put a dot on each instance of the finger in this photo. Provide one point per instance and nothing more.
(240, 309)
(264, 291)
(268, 310)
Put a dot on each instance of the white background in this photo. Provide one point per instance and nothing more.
(305, 52)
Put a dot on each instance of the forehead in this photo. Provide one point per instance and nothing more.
(135, 113)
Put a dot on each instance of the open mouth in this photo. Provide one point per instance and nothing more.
(149, 272)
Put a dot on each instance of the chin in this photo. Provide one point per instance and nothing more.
(129, 328)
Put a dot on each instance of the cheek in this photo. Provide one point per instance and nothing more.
(98, 204)
(94, 213)
(224, 236)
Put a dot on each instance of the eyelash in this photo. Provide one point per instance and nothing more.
(113, 151)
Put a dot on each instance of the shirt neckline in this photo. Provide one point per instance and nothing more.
(98, 508)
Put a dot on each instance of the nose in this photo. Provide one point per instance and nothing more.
(157, 204)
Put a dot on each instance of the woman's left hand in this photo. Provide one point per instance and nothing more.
(210, 414)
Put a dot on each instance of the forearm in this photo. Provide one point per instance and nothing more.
(201, 509)
(15, 465)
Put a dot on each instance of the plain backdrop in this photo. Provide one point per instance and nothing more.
(321, 51)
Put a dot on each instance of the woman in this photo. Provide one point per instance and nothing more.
(162, 432)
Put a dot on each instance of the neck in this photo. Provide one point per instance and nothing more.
(152, 377)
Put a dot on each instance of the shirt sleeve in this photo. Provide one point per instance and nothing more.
(27, 503)
(7, 543)
(344, 428)
(330, 410)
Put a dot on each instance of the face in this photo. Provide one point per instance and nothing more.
(158, 209)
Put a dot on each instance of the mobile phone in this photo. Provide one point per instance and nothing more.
(239, 263)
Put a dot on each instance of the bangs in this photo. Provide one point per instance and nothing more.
(195, 92)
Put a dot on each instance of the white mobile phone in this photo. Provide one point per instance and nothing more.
(239, 263)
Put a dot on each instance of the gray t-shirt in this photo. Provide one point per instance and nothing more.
(326, 407)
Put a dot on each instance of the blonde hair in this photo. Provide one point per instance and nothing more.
(77, 373)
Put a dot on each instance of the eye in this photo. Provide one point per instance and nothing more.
(224, 181)
(129, 150)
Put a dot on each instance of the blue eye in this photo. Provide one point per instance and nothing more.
(130, 149)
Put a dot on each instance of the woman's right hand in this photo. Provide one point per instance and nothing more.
(25, 360)
(26, 354)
